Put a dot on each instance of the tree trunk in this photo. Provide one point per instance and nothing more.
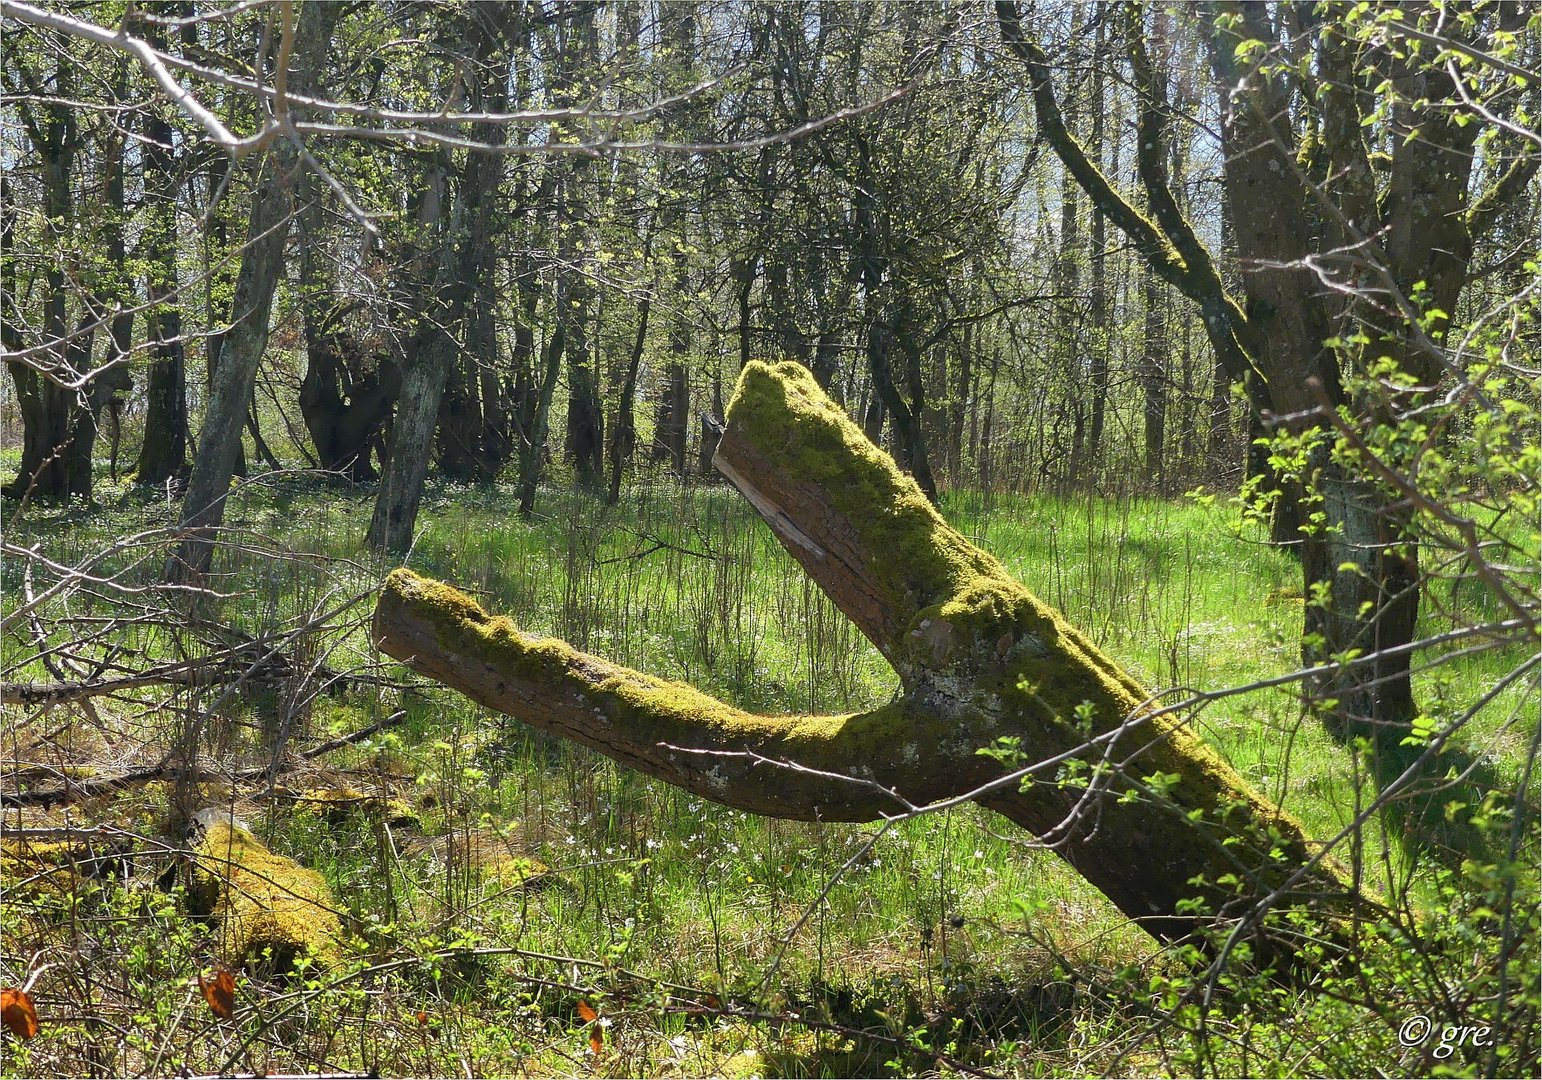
(677, 28)
(670, 432)
(904, 420)
(623, 432)
(960, 400)
(242, 346)
(1153, 382)
(585, 437)
(1097, 246)
(164, 451)
(458, 438)
(979, 657)
(412, 433)
(482, 343)
(345, 397)
(459, 224)
(425, 364)
(58, 424)
(1068, 320)
(218, 280)
(532, 451)
(710, 429)
(345, 406)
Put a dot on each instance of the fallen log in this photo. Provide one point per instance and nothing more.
(1140, 806)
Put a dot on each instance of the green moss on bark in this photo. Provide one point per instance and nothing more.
(914, 557)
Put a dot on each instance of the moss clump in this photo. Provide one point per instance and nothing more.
(514, 871)
(337, 805)
(268, 908)
(46, 868)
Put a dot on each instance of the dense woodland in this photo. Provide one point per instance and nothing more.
(293, 291)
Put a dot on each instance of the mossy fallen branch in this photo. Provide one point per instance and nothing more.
(1169, 831)
(268, 909)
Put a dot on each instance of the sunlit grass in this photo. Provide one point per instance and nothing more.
(646, 879)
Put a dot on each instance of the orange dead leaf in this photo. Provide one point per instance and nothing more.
(587, 1011)
(220, 992)
(422, 1018)
(18, 1012)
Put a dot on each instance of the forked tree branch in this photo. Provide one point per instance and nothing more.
(1137, 804)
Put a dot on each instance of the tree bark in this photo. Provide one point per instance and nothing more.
(459, 223)
(670, 431)
(1097, 251)
(979, 658)
(412, 433)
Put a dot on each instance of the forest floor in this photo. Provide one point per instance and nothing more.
(516, 905)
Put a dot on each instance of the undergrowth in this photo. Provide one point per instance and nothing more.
(517, 905)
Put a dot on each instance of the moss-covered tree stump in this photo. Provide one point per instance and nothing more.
(1166, 829)
(268, 910)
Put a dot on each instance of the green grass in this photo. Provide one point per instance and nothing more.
(951, 937)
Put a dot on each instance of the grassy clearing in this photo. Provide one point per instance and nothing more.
(517, 876)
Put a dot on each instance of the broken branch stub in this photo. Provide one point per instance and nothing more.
(1140, 807)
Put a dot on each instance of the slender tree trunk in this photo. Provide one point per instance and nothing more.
(873, 412)
(533, 450)
(425, 365)
(460, 225)
(458, 432)
(219, 281)
(163, 453)
(711, 431)
(412, 433)
(959, 402)
(905, 422)
(585, 441)
(1097, 249)
(1219, 436)
(827, 357)
(230, 394)
(117, 296)
(1068, 319)
(523, 359)
(672, 428)
(1153, 382)
(88, 405)
(623, 432)
(744, 275)
(1188, 429)
(482, 342)
(677, 28)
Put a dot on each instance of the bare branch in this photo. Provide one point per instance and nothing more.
(153, 62)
